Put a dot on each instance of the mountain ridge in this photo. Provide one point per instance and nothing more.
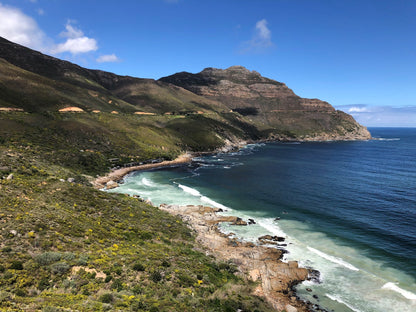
(228, 95)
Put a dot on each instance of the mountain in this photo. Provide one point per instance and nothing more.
(270, 105)
(198, 112)
(65, 246)
(37, 82)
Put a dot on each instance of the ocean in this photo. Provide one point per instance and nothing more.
(347, 209)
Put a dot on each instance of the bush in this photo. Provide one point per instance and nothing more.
(7, 249)
(60, 268)
(20, 292)
(51, 309)
(117, 285)
(156, 276)
(107, 298)
(138, 266)
(48, 257)
(83, 260)
(43, 283)
(2, 268)
(16, 265)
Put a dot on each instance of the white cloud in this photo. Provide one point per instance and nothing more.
(20, 28)
(261, 40)
(382, 116)
(71, 31)
(355, 109)
(23, 29)
(263, 32)
(108, 58)
(76, 41)
(76, 46)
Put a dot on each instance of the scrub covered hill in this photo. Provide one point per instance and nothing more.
(67, 247)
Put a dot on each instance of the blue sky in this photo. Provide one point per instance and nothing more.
(360, 56)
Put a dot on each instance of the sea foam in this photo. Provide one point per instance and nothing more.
(405, 293)
(147, 182)
(333, 259)
(204, 199)
(190, 190)
(337, 299)
(271, 227)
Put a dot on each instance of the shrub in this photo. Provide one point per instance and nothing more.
(48, 257)
(138, 266)
(146, 235)
(7, 249)
(51, 309)
(117, 285)
(2, 268)
(107, 298)
(108, 278)
(83, 260)
(60, 268)
(43, 283)
(20, 292)
(16, 265)
(156, 276)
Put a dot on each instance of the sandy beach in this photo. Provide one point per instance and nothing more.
(110, 180)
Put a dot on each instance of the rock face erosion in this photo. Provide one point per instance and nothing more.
(271, 105)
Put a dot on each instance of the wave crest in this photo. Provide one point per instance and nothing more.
(333, 259)
(405, 293)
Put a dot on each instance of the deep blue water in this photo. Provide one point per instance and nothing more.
(347, 208)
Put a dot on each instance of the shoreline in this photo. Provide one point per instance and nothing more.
(110, 180)
(259, 262)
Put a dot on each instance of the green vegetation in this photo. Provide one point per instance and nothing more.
(65, 246)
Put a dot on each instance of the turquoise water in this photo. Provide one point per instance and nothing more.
(347, 209)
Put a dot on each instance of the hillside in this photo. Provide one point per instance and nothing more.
(65, 246)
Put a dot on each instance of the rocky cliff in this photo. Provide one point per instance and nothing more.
(271, 105)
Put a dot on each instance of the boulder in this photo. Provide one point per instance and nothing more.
(111, 184)
(10, 176)
(290, 308)
(239, 221)
(266, 238)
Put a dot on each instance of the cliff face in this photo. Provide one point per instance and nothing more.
(270, 105)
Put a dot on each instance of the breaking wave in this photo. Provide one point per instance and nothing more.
(333, 259)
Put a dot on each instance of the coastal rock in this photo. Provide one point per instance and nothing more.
(239, 221)
(260, 263)
(251, 221)
(111, 184)
(268, 238)
(290, 308)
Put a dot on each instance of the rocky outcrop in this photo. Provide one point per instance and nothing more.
(271, 105)
(257, 262)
